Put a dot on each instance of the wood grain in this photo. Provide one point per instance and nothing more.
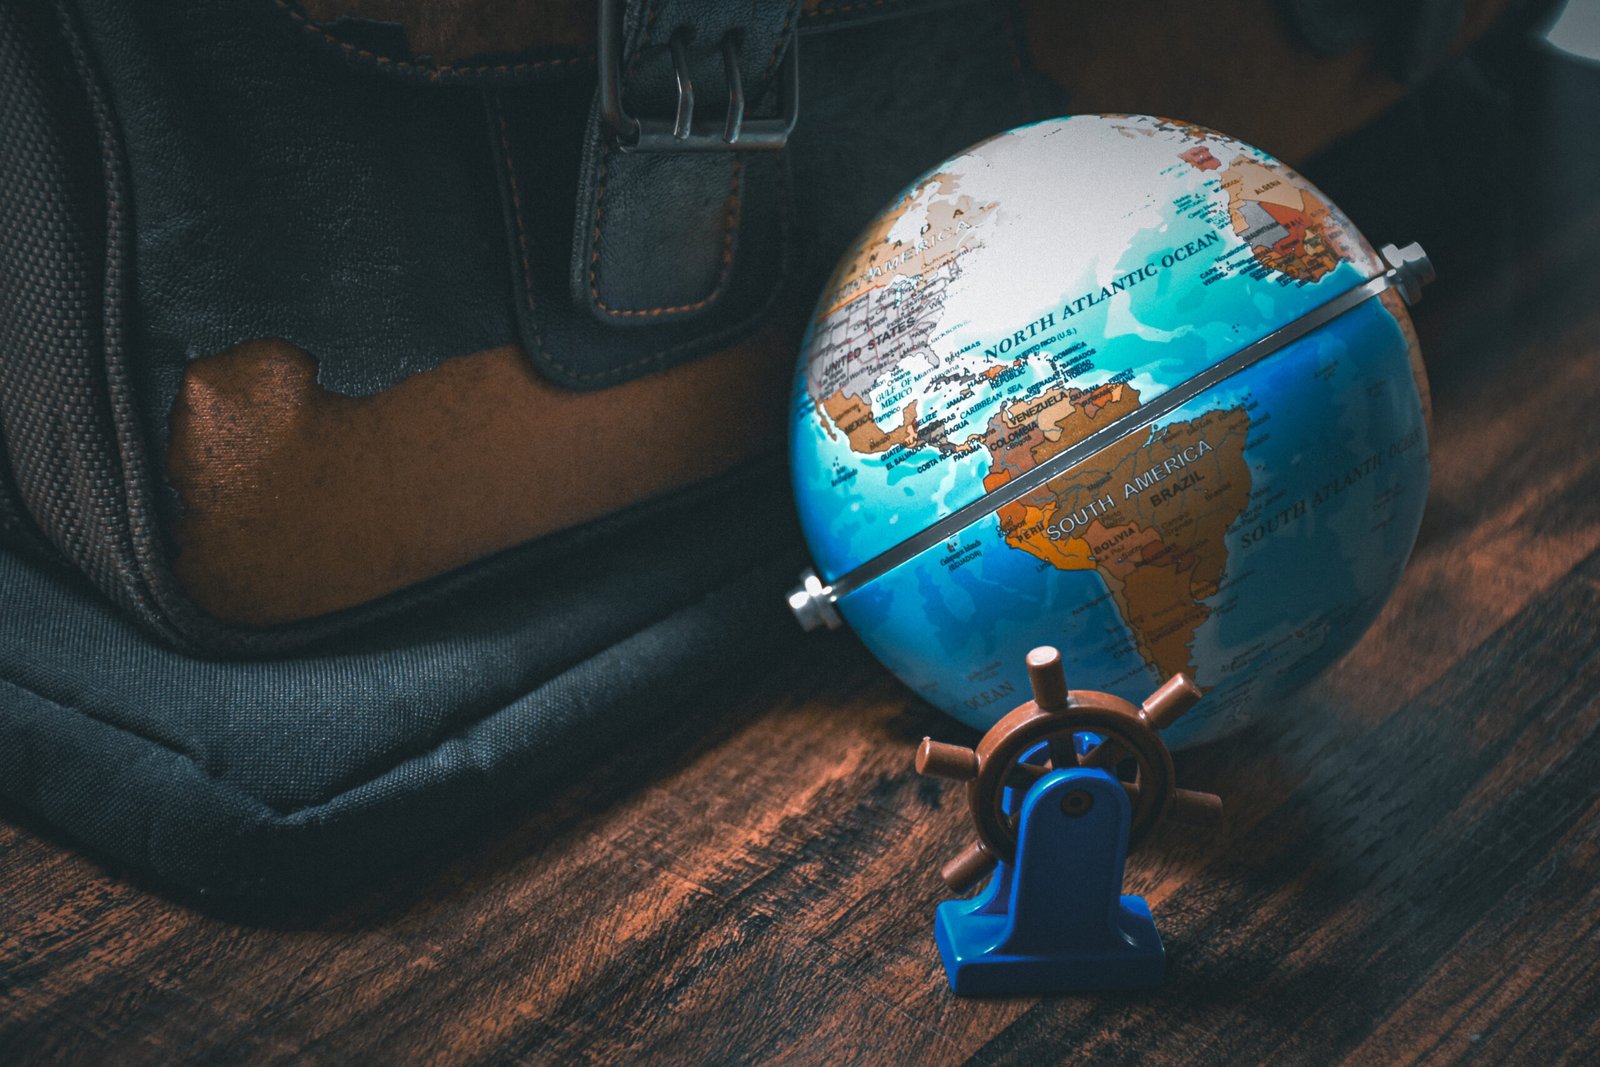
(1411, 873)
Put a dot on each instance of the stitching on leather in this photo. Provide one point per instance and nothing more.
(730, 215)
(522, 244)
(648, 39)
(540, 349)
(622, 371)
(783, 39)
(731, 208)
(433, 72)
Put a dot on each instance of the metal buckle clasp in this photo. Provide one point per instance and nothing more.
(681, 134)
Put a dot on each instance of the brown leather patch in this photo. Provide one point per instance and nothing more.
(298, 501)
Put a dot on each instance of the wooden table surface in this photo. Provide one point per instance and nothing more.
(1409, 871)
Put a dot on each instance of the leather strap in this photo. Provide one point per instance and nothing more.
(657, 233)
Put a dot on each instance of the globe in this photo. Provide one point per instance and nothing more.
(1119, 384)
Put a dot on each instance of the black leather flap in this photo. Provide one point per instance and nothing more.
(542, 139)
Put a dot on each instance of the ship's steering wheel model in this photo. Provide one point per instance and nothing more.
(1053, 762)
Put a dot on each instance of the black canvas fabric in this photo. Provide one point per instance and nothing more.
(292, 778)
(62, 258)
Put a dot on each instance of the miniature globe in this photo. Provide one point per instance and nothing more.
(1118, 384)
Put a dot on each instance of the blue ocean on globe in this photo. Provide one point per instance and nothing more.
(1048, 283)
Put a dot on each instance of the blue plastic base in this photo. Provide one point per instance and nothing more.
(1055, 921)
(967, 940)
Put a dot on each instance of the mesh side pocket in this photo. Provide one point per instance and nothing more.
(68, 428)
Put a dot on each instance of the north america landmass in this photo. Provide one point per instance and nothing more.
(883, 303)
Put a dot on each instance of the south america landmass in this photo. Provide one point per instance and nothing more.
(1148, 514)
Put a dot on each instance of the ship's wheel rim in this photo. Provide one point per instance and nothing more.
(1156, 776)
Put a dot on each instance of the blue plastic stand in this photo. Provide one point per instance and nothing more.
(1056, 920)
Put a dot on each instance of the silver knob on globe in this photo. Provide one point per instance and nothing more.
(812, 603)
(1412, 269)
